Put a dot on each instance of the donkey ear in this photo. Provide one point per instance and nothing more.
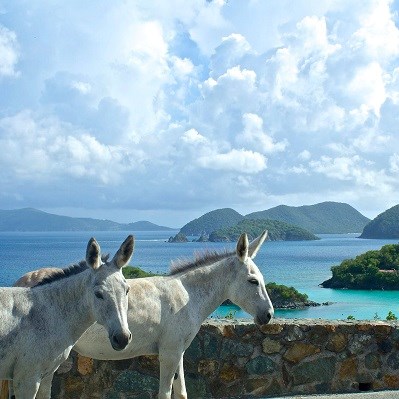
(242, 247)
(255, 245)
(93, 254)
(125, 252)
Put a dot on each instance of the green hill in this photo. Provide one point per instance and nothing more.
(254, 227)
(385, 225)
(29, 219)
(376, 270)
(211, 221)
(326, 217)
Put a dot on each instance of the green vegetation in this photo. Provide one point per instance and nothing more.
(326, 217)
(377, 270)
(385, 225)
(391, 316)
(281, 294)
(231, 315)
(211, 221)
(135, 272)
(277, 231)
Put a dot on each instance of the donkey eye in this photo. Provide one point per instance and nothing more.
(99, 295)
(253, 281)
(127, 290)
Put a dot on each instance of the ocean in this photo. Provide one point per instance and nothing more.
(301, 264)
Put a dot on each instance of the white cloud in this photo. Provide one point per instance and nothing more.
(242, 161)
(299, 66)
(255, 138)
(9, 52)
(182, 66)
(82, 87)
(376, 26)
(394, 163)
(368, 87)
(341, 168)
(47, 150)
(354, 169)
(192, 136)
(371, 142)
(304, 155)
(236, 74)
(147, 47)
(299, 169)
(209, 26)
(217, 112)
(312, 33)
(229, 54)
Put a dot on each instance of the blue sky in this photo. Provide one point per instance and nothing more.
(132, 110)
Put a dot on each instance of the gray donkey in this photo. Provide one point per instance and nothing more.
(40, 325)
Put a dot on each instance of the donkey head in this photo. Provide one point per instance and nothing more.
(110, 291)
(248, 290)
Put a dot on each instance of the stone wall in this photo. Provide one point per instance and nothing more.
(231, 359)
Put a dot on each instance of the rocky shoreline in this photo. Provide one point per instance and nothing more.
(288, 304)
(300, 305)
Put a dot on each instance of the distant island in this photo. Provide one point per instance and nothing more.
(212, 221)
(322, 218)
(284, 297)
(385, 225)
(373, 270)
(30, 219)
(179, 237)
(278, 231)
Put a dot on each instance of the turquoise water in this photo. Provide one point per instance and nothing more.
(303, 264)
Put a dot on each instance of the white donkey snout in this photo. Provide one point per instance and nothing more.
(264, 317)
(120, 340)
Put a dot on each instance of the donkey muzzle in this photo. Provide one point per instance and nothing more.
(263, 318)
(120, 340)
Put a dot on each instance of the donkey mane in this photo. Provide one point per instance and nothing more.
(71, 270)
(201, 259)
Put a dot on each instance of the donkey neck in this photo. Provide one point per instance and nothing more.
(70, 297)
(208, 285)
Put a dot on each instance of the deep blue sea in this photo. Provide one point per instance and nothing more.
(301, 264)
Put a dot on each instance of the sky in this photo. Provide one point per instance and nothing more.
(162, 111)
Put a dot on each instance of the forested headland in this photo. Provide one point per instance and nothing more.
(373, 270)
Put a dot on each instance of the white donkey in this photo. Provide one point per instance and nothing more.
(40, 325)
(166, 312)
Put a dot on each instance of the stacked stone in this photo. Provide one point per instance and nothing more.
(230, 359)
